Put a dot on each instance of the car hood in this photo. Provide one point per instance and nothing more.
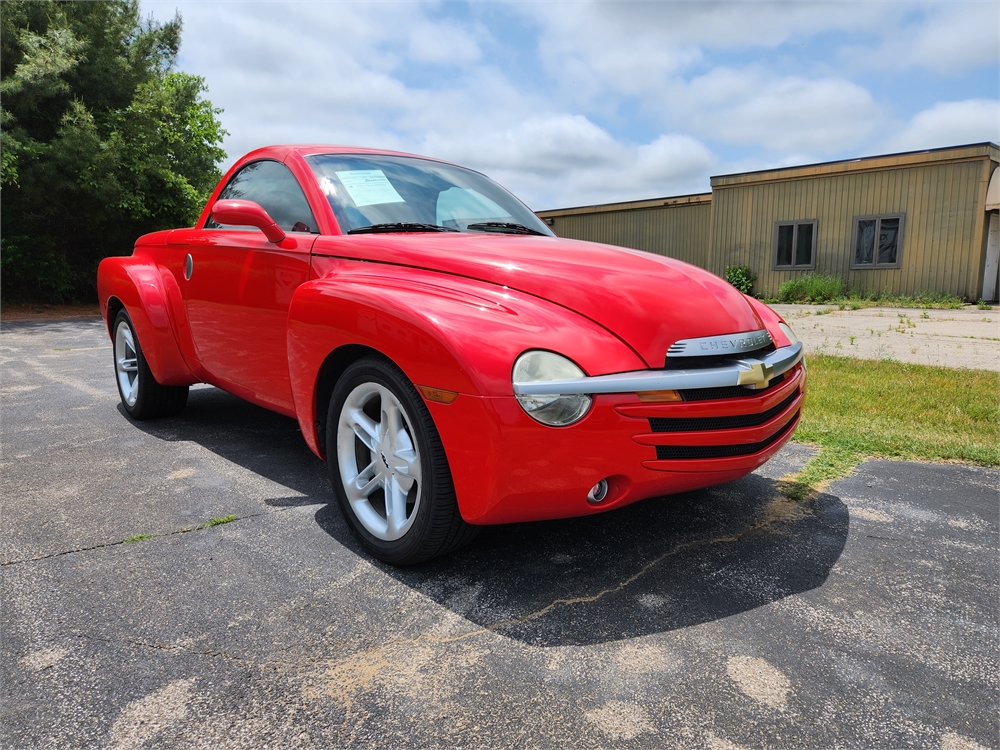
(647, 300)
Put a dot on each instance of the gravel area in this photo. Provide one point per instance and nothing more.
(969, 337)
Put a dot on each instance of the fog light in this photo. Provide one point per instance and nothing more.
(598, 492)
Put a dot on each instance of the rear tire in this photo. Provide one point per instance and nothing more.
(388, 467)
(142, 397)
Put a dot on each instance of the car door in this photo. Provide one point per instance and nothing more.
(237, 286)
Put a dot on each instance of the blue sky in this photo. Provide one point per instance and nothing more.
(574, 103)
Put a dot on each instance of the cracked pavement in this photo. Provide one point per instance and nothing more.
(723, 619)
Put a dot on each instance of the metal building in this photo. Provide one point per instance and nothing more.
(901, 223)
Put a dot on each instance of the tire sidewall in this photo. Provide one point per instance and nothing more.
(386, 374)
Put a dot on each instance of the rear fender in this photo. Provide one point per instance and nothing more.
(444, 332)
(138, 285)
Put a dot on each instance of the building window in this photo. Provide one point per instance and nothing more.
(795, 244)
(877, 241)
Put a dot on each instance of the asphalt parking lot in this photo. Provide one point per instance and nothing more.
(723, 619)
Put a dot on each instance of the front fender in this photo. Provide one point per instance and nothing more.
(770, 319)
(137, 283)
(443, 331)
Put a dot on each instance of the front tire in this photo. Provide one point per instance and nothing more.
(142, 397)
(388, 467)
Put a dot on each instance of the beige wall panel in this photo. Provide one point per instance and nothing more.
(982, 230)
(941, 230)
(943, 235)
(680, 232)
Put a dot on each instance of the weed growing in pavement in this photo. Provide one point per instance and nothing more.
(216, 521)
(206, 525)
(984, 305)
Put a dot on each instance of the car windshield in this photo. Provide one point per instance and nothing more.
(407, 194)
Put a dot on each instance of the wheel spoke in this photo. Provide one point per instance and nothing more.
(126, 364)
(407, 467)
(392, 420)
(133, 390)
(364, 484)
(395, 505)
(365, 428)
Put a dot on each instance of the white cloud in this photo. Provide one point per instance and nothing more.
(574, 103)
(632, 49)
(951, 124)
(596, 168)
(750, 107)
(279, 84)
(950, 38)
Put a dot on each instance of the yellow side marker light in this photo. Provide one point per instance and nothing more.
(658, 397)
(436, 394)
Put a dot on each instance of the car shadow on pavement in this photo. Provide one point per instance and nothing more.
(654, 566)
(263, 442)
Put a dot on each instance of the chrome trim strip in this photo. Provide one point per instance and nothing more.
(707, 346)
(747, 371)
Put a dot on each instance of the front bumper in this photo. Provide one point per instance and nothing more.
(509, 468)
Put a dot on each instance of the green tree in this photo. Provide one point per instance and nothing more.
(102, 141)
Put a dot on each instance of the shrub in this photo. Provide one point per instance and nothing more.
(811, 287)
(741, 277)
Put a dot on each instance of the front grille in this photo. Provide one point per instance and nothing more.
(712, 360)
(693, 424)
(732, 391)
(677, 452)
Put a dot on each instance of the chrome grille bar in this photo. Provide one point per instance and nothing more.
(747, 371)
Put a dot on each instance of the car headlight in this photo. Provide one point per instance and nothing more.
(554, 410)
(792, 338)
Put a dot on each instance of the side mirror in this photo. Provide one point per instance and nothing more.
(247, 214)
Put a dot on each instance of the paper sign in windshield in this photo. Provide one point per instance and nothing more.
(368, 187)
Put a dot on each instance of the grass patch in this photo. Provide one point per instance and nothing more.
(137, 538)
(857, 409)
(818, 289)
(811, 287)
(216, 521)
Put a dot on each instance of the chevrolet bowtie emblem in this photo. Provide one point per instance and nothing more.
(758, 375)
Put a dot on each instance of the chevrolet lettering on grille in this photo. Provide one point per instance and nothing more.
(728, 344)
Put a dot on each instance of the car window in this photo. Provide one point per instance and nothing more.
(273, 186)
(374, 189)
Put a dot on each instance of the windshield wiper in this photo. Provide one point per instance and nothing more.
(504, 228)
(401, 226)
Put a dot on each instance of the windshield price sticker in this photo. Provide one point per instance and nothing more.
(368, 187)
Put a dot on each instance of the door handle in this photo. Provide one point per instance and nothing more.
(188, 267)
